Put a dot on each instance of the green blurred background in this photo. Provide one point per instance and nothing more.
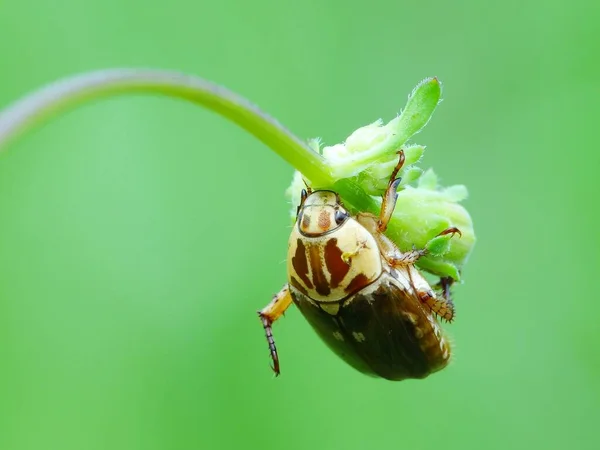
(139, 235)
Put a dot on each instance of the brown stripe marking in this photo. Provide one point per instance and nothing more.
(294, 282)
(358, 282)
(318, 276)
(300, 264)
(334, 262)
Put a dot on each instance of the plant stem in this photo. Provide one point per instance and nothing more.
(43, 104)
(68, 93)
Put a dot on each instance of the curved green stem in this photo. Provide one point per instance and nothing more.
(424, 209)
(65, 94)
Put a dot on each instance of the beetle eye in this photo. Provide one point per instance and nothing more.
(303, 196)
(340, 216)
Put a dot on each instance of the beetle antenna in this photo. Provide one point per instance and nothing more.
(308, 188)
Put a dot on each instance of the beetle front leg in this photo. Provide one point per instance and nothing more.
(443, 307)
(391, 195)
(269, 314)
(390, 251)
(412, 256)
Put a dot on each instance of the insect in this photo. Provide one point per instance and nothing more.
(362, 295)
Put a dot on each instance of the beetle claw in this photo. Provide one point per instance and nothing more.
(452, 231)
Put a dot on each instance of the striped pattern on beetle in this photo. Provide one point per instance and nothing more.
(360, 293)
(330, 255)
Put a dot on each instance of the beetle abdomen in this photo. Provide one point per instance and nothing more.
(381, 330)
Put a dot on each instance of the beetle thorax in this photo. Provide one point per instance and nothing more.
(330, 255)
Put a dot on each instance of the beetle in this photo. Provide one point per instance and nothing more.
(362, 295)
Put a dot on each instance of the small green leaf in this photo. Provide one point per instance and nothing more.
(439, 245)
(377, 142)
(420, 107)
(413, 153)
(428, 180)
(411, 175)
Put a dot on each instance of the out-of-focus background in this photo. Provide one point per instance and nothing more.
(139, 235)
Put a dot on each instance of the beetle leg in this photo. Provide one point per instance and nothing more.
(269, 314)
(391, 195)
(390, 251)
(400, 259)
(442, 307)
(452, 231)
(411, 257)
(445, 285)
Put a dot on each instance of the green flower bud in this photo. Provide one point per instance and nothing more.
(423, 212)
(361, 168)
(376, 142)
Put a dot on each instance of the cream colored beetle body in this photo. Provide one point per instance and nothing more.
(367, 311)
(360, 293)
(329, 259)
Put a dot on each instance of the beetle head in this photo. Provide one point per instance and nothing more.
(320, 212)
